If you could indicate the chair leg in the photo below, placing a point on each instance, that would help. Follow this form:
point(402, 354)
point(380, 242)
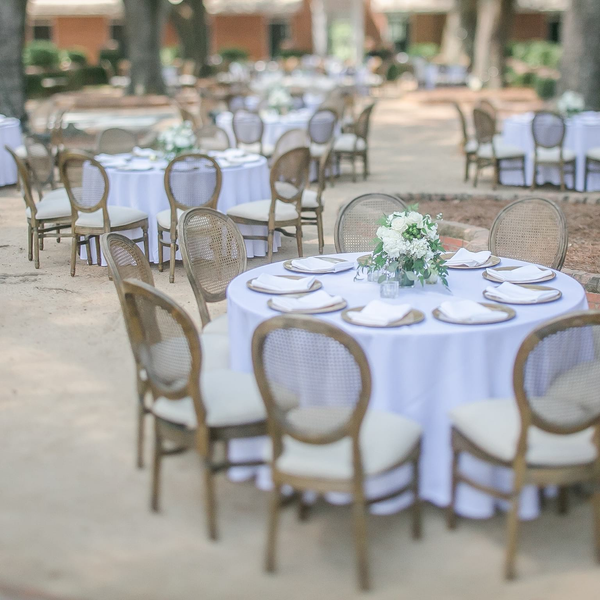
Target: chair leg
point(417, 529)
point(29, 242)
point(36, 247)
point(360, 533)
point(146, 243)
point(365, 165)
point(596, 511)
point(476, 178)
point(209, 498)
point(299, 240)
point(270, 246)
point(585, 176)
point(563, 500)
point(88, 246)
point(496, 175)
point(160, 251)
point(524, 172)
point(41, 232)
point(513, 522)
point(98, 252)
point(74, 246)
point(303, 508)
point(450, 510)
point(156, 465)
point(353, 158)
point(320, 231)
point(534, 180)
point(562, 178)
point(141, 419)
point(467, 166)
point(274, 506)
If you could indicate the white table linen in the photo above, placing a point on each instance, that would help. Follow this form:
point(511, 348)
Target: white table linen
point(421, 371)
point(10, 135)
point(582, 134)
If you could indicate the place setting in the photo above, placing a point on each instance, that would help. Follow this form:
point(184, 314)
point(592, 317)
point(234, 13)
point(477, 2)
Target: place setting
point(318, 265)
point(465, 259)
point(525, 274)
point(383, 315)
point(469, 312)
point(284, 284)
point(510, 293)
point(308, 304)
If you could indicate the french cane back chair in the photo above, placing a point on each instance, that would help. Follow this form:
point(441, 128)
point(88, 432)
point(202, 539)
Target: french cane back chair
point(321, 129)
point(41, 162)
point(214, 253)
point(236, 102)
point(355, 144)
point(491, 152)
point(211, 137)
point(193, 408)
point(489, 107)
point(87, 186)
point(248, 130)
point(356, 226)
point(115, 140)
point(551, 434)
point(289, 140)
point(316, 385)
point(548, 130)
point(188, 116)
point(531, 229)
point(49, 218)
point(289, 178)
point(191, 180)
point(468, 145)
point(127, 262)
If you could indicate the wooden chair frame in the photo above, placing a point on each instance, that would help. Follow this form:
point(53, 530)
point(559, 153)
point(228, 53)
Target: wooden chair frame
point(132, 137)
point(40, 184)
point(212, 129)
point(316, 160)
point(470, 156)
point(241, 113)
point(361, 131)
point(589, 163)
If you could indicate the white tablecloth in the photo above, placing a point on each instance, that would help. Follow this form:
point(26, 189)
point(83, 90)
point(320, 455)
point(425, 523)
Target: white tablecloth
point(583, 133)
point(145, 190)
point(421, 371)
point(10, 135)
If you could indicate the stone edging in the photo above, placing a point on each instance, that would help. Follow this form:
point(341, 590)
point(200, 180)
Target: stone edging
point(569, 197)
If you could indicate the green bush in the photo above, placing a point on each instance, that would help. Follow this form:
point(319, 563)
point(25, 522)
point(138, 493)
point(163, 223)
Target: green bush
point(93, 75)
point(233, 54)
point(35, 89)
point(537, 53)
point(41, 54)
point(382, 53)
point(169, 54)
point(113, 56)
point(77, 56)
point(428, 51)
point(545, 87)
point(291, 53)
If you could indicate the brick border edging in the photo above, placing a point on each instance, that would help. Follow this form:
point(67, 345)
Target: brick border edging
point(569, 197)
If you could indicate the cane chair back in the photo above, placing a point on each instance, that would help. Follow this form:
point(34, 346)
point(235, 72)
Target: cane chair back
point(356, 225)
point(557, 375)
point(211, 137)
point(324, 164)
point(531, 229)
point(463, 123)
point(485, 126)
point(363, 123)
point(247, 126)
point(93, 196)
point(116, 141)
point(40, 161)
point(289, 140)
point(290, 176)
point(236, 103)
point(298, 101)
point(56, 133)
point(548, 129)
point(321, 126)
point(213, 252)
point(314, 379)
point(188, 116)
point(24, 180)
point(488, 107)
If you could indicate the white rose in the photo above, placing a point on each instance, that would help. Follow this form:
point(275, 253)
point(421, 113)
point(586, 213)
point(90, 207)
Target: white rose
point(399, 224)
point(414, 218)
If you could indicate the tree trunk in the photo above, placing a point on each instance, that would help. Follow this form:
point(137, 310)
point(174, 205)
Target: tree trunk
point(467, 10)
point(12, 38)
point(144, 21)
point(494, 21)
point(459, 32)
point(189, 19)
point(580, 70)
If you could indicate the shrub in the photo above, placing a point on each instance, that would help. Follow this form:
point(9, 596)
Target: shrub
point(428, 51)
point(382, 53)
point(41, 54)
point(77, 56)
point(234, 54)
point(93, 75)
point(169, 54)
point(113, 56)
point(291, 53)
point(537, 53)
point(545, 87)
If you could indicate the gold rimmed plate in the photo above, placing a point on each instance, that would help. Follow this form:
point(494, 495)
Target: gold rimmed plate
point(489, 277)
point(537, 288)
point(309, 311)
point(413, 317)
point(510, 314)
point(317, 285)
point(288, 265)
point(492, 261)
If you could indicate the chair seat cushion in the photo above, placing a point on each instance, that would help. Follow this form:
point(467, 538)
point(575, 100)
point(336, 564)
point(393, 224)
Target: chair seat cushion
point(386, 440)
point(229, 397)
point(259, 211)
point(317, 150)
point(503, 151)
point(552, 155)
point(471, 145)
point(594, 153)
point(21, 152)
point(218, 326)
point(215, 351)
point(52, 208)
point(57, 194)
point(267, 149)
point(119, 216)
point(163, 218)
point(309, 199)
point(495, 425)
point(348, 142)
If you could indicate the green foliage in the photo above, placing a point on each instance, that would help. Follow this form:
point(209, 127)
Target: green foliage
point(36, 84)
point(77, 56)
point(537, 53)
point(234, 54)
point(113, 56)
point(292, 53)
point(427, 51)
point(382, 53)
point(169, 54)
point(41, 54)
point(545, 87)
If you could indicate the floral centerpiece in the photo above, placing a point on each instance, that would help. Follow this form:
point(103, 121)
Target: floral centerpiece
point(571, 103)
point(279, 99)
point(408, 249)
point(177, 139)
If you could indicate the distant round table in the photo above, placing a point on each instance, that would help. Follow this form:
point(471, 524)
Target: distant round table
point(420, 371)
point(10, 135)
point(582, 134)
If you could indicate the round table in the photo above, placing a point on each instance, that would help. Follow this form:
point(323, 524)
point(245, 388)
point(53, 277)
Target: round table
point(10, 135)
point(421, 371)
point(582, 134)
point(145, 190)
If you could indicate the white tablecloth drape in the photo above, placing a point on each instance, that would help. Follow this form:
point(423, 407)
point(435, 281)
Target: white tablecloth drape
point(145, 190)
point(583, 133)
point(421, 371)
point(10, 135)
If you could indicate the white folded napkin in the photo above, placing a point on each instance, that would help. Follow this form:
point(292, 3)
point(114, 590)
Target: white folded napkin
point(233, 152)
point(319, 299)
point(469, 311)
point(314, 263)
point(469, 259)
point(509, 292)
point(379, 313)
point(102, 158)
point(520, 275)
point(147, 152)
point(273, 283)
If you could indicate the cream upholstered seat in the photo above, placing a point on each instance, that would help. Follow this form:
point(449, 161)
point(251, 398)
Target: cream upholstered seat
point(471, 145)
point(256, 148)
point(163, 218)
point(310, 199)
point(229, 397)
point(502, 151)
point(118, 216)
point(215, 351)
point(259, 211)
point(385, 439)
point(348, 142)
point(317, 150)
point(552, 155)
point(495, 425)
point(57, 194)
point(594, 153)
point(52, 208)
point(217, 326)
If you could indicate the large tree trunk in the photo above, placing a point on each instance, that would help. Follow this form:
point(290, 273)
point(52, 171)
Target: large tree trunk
point(494, 21)
point(459, 32)
point(189, 18)
point(12, 38)
point(580, 71)
point(144, 21)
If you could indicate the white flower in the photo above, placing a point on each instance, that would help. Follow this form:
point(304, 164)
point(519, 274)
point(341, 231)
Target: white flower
point(414, 218)
point(571, 102)
point(399, 224)
point(432, 234)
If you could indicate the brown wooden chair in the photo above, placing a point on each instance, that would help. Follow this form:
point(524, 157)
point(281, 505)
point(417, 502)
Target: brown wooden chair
point(531, 229)
point(115, 140)
point(289, 178)
point(193, 408)
point(289, 140)
point(323, 438)
point(468, 144)
point(212, 138)
point(214, 253)
point(321, 130)
point(187, 115)
point(51, 217)
point(357, 222)
point(548, 130)
point(190, 180)
point(248, 129)
point(41, 162)
point(549, 435)
point(491, 152)
point(355, 145)
point(87, 186)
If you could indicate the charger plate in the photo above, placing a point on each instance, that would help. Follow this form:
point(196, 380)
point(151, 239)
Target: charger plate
point(492, 261)
point(510, 314)
point(413, 317)
point(288, 265)
point(489, 277)
point(538, 288)
point(317, 285)
point(309, 311)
